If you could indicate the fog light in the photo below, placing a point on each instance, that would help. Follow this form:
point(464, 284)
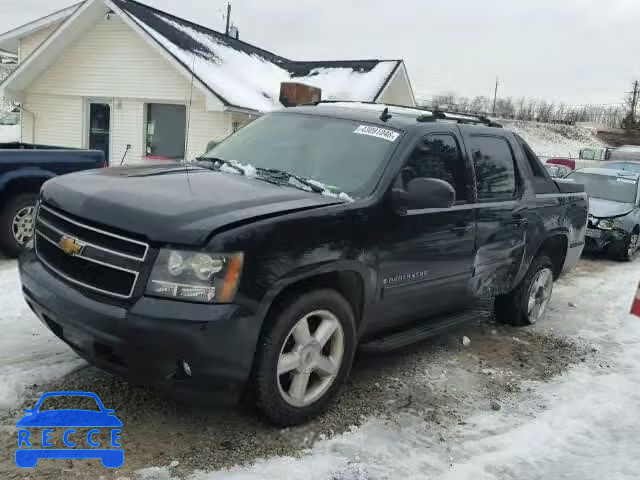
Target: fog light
point(186, 367)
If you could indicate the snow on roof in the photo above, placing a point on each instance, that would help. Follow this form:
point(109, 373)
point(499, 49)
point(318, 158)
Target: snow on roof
point(245, 76)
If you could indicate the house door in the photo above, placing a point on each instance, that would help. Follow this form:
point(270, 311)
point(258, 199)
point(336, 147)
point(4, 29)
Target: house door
point(100, 127)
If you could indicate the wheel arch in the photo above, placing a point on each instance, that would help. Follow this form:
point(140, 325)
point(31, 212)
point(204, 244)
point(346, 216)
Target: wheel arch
point(555, 246)
point(20, 182)
point(353, 280)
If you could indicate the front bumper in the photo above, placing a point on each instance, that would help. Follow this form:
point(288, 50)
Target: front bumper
point(608, 239)
point(147, 341)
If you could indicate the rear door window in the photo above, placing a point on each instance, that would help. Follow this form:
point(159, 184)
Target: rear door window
point(494, 163)
point(541, 179)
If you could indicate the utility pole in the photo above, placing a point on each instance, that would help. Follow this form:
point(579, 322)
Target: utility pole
point(634, 101)
point(228, 19)
point(495, 96)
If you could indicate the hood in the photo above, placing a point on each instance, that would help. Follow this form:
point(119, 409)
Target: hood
point(601, 208)
point(170, 204)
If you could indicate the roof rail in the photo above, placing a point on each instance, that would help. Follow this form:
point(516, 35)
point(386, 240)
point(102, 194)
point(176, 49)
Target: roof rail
point(429, 115)
point(458, 117)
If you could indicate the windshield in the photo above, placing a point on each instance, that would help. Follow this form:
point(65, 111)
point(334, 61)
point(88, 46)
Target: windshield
point(626, 166)
point(616, 189)
point(344, 155)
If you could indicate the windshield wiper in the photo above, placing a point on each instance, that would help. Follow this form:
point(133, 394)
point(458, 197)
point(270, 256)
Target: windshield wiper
point(222, 161)
point(274, 172)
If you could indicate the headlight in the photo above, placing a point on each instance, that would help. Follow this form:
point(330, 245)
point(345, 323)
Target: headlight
point(606, 224)
point(196, 276)
point(609, 224)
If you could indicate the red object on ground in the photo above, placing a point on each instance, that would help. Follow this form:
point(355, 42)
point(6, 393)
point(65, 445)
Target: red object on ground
point(635, 308)
point(567, 162)
point(156, 157)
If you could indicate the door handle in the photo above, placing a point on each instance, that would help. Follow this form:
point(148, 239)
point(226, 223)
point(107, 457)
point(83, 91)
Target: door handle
point(517, 223)
point(461, 229)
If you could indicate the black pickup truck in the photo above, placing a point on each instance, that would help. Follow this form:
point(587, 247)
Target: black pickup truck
point(306, 234)
point(24, 168)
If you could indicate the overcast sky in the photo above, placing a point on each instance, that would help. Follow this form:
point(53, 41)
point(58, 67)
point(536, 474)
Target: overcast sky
point(576, 51)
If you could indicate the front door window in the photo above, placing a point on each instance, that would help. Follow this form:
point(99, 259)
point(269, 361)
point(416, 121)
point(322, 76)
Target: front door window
point(99, 127)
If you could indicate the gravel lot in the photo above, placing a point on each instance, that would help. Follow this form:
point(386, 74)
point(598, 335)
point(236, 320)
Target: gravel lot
point(440, 380)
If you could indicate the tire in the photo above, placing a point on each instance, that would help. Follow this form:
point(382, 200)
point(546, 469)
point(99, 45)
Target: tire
point(10, 243)
point(629, 248)
point(273, 392)
point(514, 309)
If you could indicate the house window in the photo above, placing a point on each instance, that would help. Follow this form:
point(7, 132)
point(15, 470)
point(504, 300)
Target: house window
point(235, 126)
point(166, 129)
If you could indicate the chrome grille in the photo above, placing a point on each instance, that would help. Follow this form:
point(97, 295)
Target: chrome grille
point(87, 256)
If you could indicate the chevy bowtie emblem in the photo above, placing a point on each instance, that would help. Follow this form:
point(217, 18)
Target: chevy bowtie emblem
point(70, 246)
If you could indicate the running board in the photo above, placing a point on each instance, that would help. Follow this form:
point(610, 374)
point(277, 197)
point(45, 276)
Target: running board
point(414, 333)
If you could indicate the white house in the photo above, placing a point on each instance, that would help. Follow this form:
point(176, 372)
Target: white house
point(111, 73)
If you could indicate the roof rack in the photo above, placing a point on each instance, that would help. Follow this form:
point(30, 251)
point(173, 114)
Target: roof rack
point(428, 116)
point(458, 117)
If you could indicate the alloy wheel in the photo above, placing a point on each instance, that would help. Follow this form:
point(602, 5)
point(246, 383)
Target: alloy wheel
point(633, 246)
point(539, 295)
point(23, 225)
point(310, 358)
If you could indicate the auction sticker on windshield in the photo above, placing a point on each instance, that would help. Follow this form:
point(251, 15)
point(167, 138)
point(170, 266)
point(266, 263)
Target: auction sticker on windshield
point(377, 132)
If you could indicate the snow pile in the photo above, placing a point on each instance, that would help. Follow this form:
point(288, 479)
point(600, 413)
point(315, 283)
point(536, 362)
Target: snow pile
point(252, 81)
point(553, 140)
point(29, 352)
point(9, 133)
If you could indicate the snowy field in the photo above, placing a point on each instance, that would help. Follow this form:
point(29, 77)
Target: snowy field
point(548, 140)
point(558, 400)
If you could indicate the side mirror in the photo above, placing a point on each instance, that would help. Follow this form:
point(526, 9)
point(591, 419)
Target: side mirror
point(211, 144)
point(428, 193)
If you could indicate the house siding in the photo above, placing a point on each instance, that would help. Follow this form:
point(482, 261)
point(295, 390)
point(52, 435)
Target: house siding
point(29, 43)
point(58, 120)
point(397, 91)
point(111, 60)
point(112, 63)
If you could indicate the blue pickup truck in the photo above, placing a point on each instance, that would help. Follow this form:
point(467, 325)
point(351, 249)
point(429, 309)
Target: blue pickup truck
point(23, 169)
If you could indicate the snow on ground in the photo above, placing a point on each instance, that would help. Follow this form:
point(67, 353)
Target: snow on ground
point(9, 133)
point(582, 425)
point(552, 140)
point(29, 352)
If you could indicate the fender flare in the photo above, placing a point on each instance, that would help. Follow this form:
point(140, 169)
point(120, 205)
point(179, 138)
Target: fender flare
point(367, 273)
point(527, 259)
point(24, 174)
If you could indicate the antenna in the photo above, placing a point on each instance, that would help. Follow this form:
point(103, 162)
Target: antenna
point(186, 141)
point(126, 150)
point(385, 114)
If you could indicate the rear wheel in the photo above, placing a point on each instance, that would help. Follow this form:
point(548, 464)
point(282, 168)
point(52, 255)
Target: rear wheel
point(527, 303)
point(17, 221)
point(304, 357)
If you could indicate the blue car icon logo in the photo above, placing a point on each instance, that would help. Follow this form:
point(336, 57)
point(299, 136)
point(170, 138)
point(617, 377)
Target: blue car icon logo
point(85, 434)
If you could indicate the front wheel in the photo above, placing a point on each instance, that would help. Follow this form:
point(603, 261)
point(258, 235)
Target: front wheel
point(630, 247)
point(304, 357)
point(17, 223)
point(527, 303)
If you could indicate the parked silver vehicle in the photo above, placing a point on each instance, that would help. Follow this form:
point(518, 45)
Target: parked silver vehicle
point(614, 210)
